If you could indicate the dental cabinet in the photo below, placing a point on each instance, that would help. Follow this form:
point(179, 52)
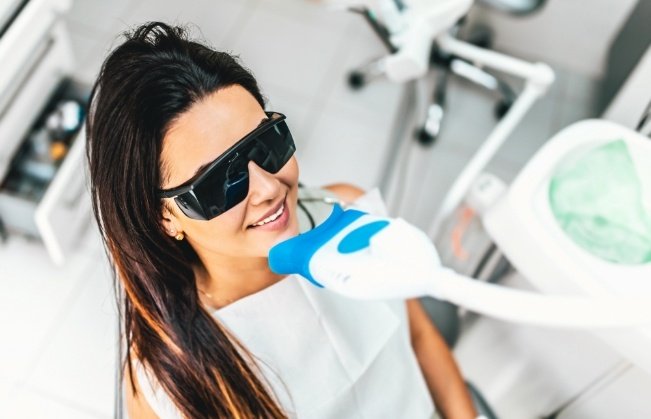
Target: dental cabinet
point(569, 374)
point(43, 191)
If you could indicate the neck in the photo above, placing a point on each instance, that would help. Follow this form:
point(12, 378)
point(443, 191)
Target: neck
point(228, 279)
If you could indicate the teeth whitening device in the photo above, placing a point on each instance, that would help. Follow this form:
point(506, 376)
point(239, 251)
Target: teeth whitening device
point(363, 256)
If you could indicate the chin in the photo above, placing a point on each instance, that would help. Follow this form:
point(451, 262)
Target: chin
point(292, 230)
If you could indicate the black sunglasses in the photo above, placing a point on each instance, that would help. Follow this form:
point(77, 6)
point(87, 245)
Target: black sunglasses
point(224, 183)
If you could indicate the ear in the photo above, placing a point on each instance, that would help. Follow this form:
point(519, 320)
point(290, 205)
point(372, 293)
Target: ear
point(170, 221)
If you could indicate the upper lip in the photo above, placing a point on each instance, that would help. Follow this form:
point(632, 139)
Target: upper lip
point(271, 211)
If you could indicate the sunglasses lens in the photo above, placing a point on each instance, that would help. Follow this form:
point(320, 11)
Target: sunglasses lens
point(236, 186)
point(274, 147)
point(189, 206)
point(210, 195)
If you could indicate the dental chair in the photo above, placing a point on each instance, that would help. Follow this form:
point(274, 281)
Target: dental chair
point(444, 63)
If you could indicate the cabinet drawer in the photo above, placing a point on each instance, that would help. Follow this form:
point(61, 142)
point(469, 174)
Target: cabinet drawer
point(65, 210)
point(23, 101)
point(46, 197)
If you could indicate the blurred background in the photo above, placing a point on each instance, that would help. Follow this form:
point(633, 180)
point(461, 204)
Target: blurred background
point(57, 310)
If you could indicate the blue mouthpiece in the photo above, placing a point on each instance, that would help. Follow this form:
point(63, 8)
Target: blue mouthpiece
point(293, 256)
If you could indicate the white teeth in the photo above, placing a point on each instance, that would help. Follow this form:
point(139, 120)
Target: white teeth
point(272, 217)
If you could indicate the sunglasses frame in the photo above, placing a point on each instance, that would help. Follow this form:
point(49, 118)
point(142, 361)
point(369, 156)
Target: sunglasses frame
point(191, 184)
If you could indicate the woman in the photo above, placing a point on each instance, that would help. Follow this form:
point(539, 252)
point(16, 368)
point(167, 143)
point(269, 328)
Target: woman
point(192, 183)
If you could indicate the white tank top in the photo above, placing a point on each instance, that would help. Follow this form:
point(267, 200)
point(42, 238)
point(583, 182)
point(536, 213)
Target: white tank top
point(325, 356)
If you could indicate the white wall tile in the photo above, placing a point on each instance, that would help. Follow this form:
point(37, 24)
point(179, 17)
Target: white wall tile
point(380, 97)
point(469, 115)
point(344, 150)
point(211, 20)
point(526, 372)
point(534, 130)
point(296, 108)
point(621, 397)
point(99, 15)
point(34, 297)
point(315, 13)
point(575, 34)
point(8, 387)
point(431, 181)
point(286, 51)
point(29, 404)
point(79, 363)
point(96, 31)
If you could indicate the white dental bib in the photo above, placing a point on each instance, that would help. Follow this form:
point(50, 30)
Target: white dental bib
point(324, 355)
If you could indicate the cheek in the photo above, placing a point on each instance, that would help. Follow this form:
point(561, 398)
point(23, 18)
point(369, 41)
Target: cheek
point(219, 235)
point(289, 172)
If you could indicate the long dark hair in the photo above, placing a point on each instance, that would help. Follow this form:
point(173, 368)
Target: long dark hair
point(144, 84)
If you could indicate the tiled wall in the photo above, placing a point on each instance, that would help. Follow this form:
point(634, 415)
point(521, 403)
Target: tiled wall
point(574, 34)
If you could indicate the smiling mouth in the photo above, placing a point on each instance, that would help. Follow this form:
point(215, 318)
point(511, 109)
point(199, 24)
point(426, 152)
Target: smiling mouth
point(272, 217)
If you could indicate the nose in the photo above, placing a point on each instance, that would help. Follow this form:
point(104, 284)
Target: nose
point(263, 186)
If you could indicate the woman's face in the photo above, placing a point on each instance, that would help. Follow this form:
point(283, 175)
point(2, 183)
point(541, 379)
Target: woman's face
point(199, 136)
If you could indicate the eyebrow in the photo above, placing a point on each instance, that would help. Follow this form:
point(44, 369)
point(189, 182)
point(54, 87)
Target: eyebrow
point(203, 166)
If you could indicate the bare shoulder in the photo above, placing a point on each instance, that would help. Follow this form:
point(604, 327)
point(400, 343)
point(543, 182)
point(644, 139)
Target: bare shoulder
point(136, 403)
point(345, 191)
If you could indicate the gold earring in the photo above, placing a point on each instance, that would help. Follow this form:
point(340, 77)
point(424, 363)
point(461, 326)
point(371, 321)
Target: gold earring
point(179, 236)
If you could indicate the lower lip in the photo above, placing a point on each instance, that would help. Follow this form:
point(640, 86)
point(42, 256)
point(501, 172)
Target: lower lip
point(278, 224)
